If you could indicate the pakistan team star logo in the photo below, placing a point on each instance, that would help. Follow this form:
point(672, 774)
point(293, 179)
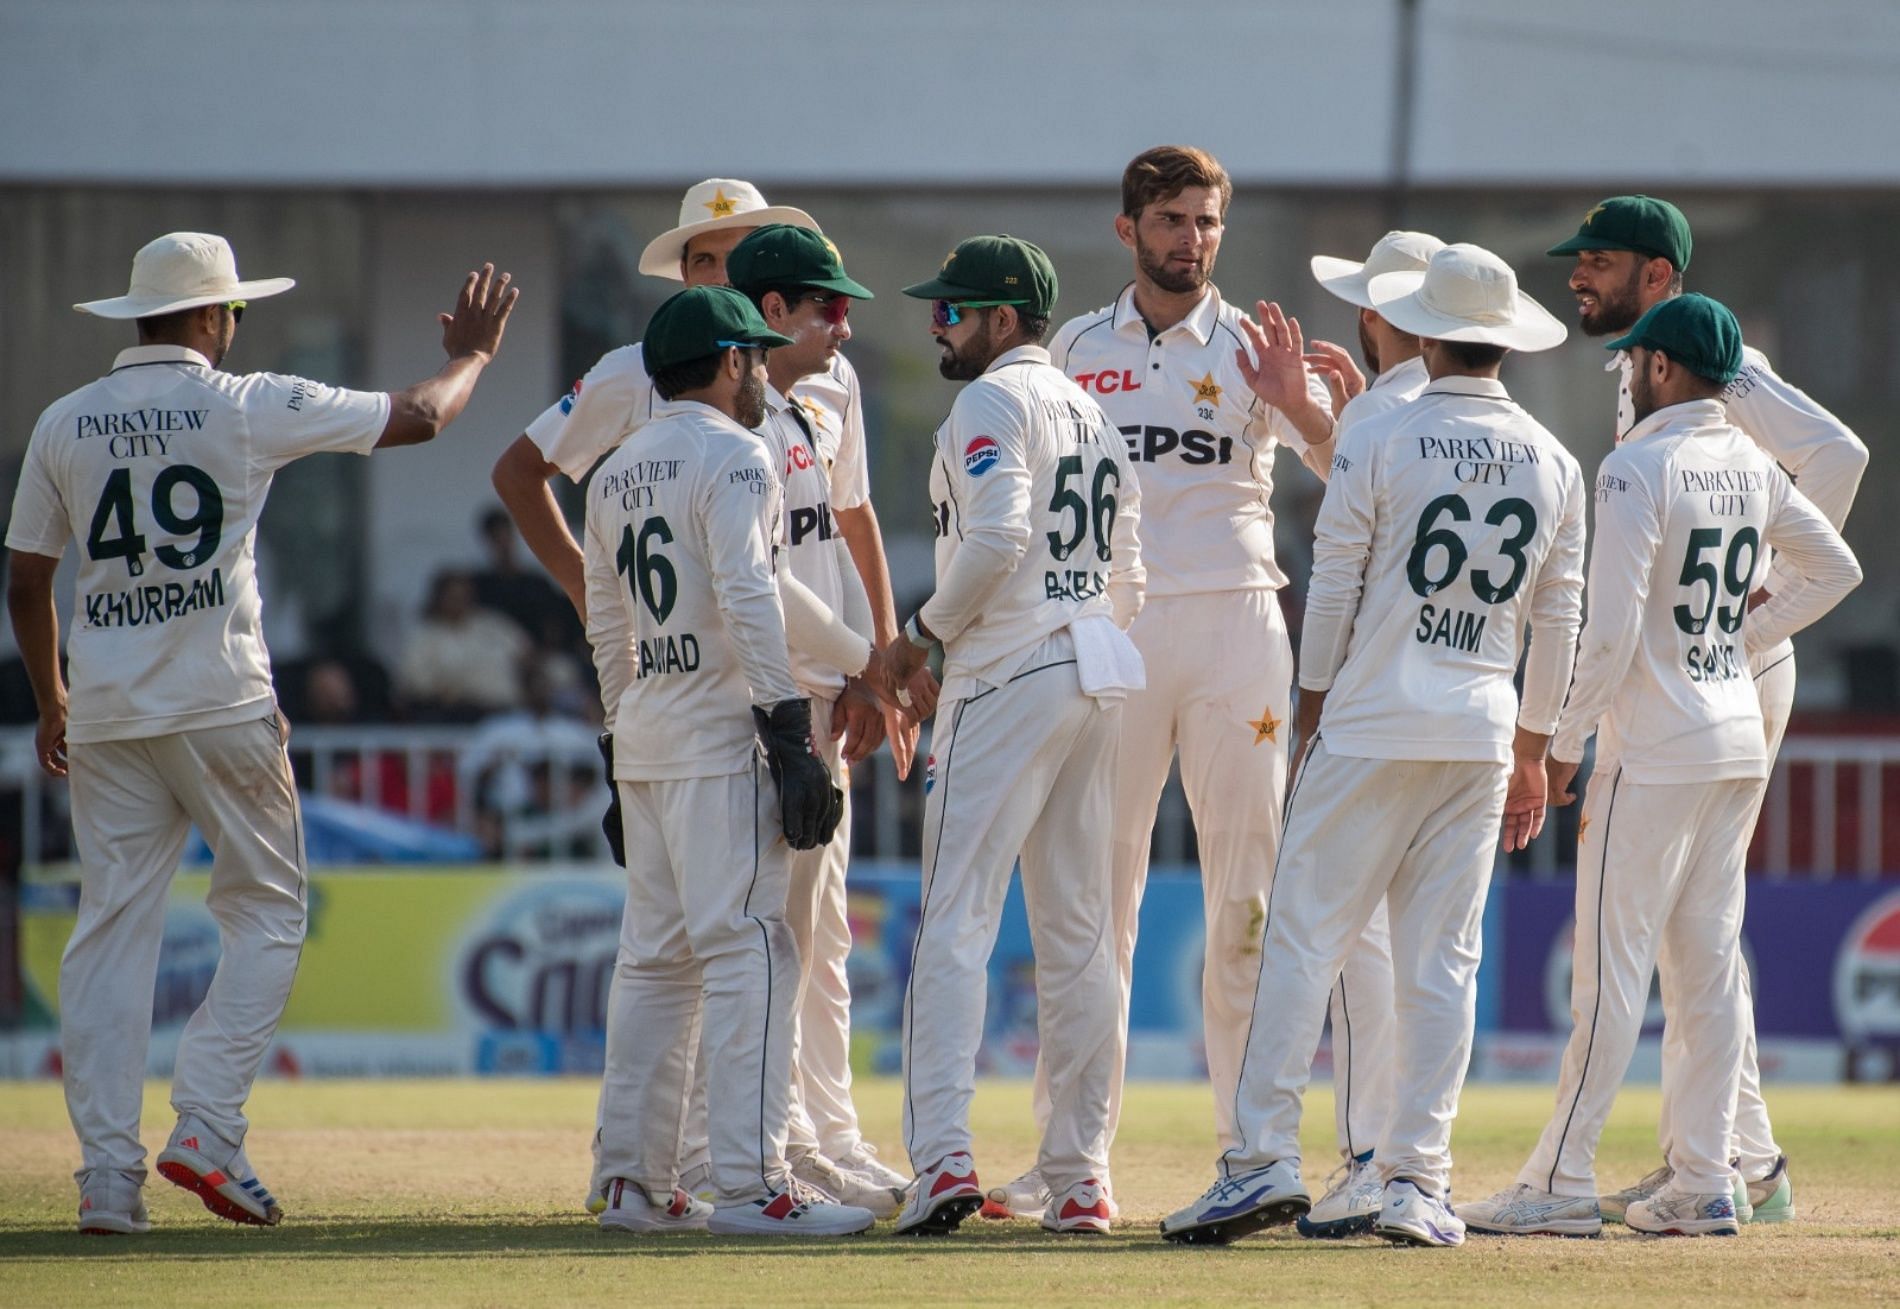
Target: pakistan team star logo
point(1582, 827)
point(722, 205)
point(1591, 217)
point(1266, 727)
point(1206, 391)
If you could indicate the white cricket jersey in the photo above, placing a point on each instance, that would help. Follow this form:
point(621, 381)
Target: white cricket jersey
point(1203, 441)
point(1036, 508)
point(1685, 506)
point(159, 471)
point(616, 399)
point(1447, 525)
point(807, 532)
point(1396, 386)
point(1817, 450)
point(682, 607)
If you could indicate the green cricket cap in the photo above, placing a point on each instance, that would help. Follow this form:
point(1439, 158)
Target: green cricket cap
point(692, 324)
point(994, 268)
point(780, 255)
point(1633, 222)
point(1695, 331)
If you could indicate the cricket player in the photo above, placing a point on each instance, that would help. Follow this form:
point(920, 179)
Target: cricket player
point(611, 402)
point(1038, 573)
point(159, 472)
point(796, 279)
point(1686, 506)
point(1203, 397)
point(1448, 524)
point(1631, 253)
point(689, 638)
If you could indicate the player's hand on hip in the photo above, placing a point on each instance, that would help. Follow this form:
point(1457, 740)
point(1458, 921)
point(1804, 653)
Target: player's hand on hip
point(1524, 803)
point(1336, 368)
point(1559, 776)
point(49, 742)
point(481, 314)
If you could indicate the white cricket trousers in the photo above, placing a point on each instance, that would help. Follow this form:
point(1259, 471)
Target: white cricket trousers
point(133, 805)
point(1220, 674)
point(1420, 835)
point(703, 940)
point(1021, 768)
point(1659, 886)
point(1754, 1148)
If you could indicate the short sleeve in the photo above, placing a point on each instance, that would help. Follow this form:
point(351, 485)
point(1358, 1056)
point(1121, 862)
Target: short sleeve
point(614, 399)
point(290, 417)
point(40, 524)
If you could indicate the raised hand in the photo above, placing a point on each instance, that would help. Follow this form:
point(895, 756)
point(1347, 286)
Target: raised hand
point(481, 314)
point(1336, 368)
point(1274, 363)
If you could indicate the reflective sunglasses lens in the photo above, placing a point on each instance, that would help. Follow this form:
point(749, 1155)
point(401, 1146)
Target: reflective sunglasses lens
point(944, 313)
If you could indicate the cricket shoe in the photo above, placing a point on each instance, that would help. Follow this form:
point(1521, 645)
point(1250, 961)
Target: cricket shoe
point(1409, 1216)
point(944, 1195)
point(785, 1214)
point(862, 1159)
point(847, 1187)
point(1772, 1198)
point(1025, 1197)
point(1671, 1212)
point(217, 1172)
point(1084, 1209)
point(1354, 1196)
point(697, 1182)
point(1240, 1206)
point(626, 1208)
point(1612, 1206)
point(1523, 1210)
point(110, 1205)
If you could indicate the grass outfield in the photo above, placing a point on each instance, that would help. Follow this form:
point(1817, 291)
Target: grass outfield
point(468, 1192)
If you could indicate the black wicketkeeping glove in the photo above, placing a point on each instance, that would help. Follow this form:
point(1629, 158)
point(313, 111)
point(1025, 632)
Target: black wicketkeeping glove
point(610, 821)
point(809, 805)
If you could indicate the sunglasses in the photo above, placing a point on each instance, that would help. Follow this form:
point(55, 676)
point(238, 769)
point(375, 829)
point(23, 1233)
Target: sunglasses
point(831, 308)
point(948, 313)
point(740, 345)
point(237, 309)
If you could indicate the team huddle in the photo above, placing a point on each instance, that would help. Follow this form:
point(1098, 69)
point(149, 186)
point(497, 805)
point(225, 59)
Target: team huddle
point(1105, 600)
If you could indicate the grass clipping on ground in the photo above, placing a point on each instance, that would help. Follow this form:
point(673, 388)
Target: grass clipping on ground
point(469, 1192)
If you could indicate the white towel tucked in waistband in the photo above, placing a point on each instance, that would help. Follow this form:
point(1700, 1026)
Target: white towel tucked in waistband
point(1106, 661)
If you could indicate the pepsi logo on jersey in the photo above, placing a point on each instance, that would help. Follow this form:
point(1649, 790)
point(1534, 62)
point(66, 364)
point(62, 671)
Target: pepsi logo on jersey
point(981, 455)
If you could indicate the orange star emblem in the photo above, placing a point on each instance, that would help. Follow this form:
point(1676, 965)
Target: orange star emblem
point(1206, 390)
point(722, 205)
point(814, 411)
point(1266, 727)
point(1591, 216)
point(1582, 826)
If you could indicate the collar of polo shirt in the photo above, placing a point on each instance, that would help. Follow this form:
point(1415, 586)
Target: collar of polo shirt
point(1199, 322)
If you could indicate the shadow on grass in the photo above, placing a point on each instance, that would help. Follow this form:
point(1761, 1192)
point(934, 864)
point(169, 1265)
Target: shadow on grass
point(517, 1236)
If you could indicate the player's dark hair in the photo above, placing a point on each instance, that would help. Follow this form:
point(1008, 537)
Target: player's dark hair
point(1474, 354)
point(677, 379)
point(1034, 329)
point(1675, 281)
point(1167, 170)
point(161, 329)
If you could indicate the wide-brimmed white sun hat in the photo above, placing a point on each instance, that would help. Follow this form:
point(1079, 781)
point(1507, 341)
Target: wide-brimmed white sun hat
point(714, 205)
point(182, 270)
point(1395, 252)
point(1466, 294)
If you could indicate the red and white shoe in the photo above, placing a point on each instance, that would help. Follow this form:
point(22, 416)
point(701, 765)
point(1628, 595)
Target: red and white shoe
point(942, 1197)
point(1084, 1208)
point(217, 1173)
point(627, 1209)
point(785, 1214)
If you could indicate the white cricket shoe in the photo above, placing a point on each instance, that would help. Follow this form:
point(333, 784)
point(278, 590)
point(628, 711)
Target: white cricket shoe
point(1354, 1195)
point(626, 1208)
point(202, 1162)
point(1671, 1212)
point(1410, 1216)
point(862, 1158)
point(784, 1214)
point(943, 1195)
point(1239, 1206)
point(1083, 1208)
point(697, 1182)
point(1769, 1200)
point(110, 1204)
point(1613, 1205)
point(1024, 1197)
point(846, 1186)
point(1523, 1210)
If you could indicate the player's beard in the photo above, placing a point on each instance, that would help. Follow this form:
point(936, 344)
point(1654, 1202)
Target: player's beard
point(1642, 397)
point(966, 363)
point(1172, 278)
point(1368, 349)
point(749, 405)
point(1616, 311)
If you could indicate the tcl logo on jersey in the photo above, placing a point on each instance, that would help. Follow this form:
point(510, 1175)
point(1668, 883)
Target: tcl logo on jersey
point(1108, 382)
point(981, 455)
point(1147, 443)
point(814, 522)
point(798, 459)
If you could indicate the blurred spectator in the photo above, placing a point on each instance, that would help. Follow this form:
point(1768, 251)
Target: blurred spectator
point(462, 661)
point(526, 595)
point(536, 780)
